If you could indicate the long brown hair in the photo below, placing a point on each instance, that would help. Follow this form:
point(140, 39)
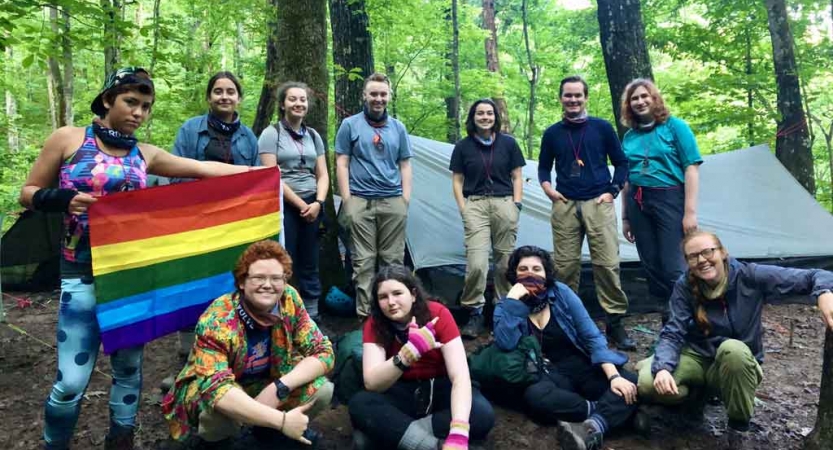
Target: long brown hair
point(384, 326)
point(658, 109)
point(697, 298)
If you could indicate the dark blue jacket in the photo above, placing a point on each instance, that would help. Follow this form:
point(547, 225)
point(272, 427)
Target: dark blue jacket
point(598, 144)
point(739, 317)
point(511, 324)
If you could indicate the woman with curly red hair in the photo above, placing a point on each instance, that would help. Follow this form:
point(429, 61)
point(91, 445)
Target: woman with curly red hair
point(258, 360)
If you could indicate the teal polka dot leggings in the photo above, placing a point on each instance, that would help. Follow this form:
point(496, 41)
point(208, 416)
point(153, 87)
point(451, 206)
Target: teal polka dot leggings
point(78, 342)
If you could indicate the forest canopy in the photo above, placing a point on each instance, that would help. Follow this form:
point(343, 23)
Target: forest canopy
point(712, 59)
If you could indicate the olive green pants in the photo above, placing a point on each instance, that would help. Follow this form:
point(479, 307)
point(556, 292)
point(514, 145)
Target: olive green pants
point(377, 235)
point(489, 224)
point(733, 375)
point(571, 222)
point(216, 426)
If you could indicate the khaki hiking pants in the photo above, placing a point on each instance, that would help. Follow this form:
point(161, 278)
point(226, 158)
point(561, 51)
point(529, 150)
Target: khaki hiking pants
point(571, 221)
point(377, 234)
point(489, 224)
point(734, 375)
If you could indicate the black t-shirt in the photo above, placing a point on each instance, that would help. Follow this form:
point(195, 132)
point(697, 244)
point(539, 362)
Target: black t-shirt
point(478, 163)
point(555, 344)
point(219, 147)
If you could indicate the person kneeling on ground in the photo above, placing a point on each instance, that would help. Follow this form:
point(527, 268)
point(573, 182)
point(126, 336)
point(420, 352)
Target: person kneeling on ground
point(713, 339)
point(416, 374)
point(258, 360)
point(582, 387)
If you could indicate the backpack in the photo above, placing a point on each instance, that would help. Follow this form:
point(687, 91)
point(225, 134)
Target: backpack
point(496, 369)
point(347, 373)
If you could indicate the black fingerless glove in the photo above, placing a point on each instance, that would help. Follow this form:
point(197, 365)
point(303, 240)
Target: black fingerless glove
point(53, 199)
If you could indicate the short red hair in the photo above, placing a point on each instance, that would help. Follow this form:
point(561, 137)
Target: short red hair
point(259, 251)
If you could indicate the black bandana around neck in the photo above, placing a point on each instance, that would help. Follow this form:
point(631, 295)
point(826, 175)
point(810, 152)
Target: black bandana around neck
point(252, 320)
point(375, 123)
point(226, 128)
point(113, 138)
point(537, 298)
point(296, 135)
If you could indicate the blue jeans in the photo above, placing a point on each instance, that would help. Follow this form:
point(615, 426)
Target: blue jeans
point(657, 224)
point(302, 243)
point(78, 341)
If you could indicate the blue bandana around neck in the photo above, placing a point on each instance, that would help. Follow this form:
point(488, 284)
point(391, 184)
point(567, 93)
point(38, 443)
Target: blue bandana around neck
point(114, 138)
point(226, 128)
point(296, 135)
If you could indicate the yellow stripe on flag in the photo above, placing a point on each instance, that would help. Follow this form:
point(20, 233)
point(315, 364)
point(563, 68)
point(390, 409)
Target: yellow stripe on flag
point(146, 252)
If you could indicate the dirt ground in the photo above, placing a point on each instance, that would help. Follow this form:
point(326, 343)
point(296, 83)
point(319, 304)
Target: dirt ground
point(785, 411)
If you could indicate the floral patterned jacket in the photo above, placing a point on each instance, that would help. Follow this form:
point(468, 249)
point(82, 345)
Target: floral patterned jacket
point(217, 360)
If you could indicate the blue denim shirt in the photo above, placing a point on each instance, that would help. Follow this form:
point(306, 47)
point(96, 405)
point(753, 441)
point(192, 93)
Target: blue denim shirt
point(193, 137)
point(738, 316)
point(511, 324)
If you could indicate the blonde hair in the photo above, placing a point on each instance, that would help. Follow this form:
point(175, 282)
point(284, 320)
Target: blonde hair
point(658, 109)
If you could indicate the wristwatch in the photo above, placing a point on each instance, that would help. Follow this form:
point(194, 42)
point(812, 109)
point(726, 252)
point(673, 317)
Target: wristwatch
point(397, 361)
point(282, 391)
point(320, 202)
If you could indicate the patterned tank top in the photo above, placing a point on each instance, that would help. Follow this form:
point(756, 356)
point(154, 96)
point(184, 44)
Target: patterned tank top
point(94, 172)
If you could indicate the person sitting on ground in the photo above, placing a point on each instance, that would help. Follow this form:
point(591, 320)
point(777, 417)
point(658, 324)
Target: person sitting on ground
point(258, 360)
point(713, 338)
point(582, 387)
point(419, 394)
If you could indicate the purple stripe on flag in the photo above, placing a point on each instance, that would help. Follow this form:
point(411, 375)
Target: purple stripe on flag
point(147, 330)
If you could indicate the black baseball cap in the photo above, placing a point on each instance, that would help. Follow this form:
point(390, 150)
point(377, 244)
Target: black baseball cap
point(125, 75)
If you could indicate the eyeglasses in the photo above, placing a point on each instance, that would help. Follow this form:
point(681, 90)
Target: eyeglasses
point(706, 253)
point(260, 280)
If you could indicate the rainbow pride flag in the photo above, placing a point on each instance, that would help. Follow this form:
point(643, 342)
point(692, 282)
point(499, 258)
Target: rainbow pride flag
point(160, 255)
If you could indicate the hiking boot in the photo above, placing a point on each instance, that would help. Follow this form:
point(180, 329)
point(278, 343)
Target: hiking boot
point(579, 436)
point(361, 441)
point(642, 423)
point(617, 334)
point(736, 439)
point(474, 327)
point(120, 438)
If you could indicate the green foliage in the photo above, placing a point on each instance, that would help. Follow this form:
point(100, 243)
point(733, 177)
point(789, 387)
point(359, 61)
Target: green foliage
point(711, 58)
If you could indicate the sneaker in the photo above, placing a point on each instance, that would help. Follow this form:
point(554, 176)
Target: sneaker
point(579, 436)
point(474, 327)
point(120, 438)
point(617, 334)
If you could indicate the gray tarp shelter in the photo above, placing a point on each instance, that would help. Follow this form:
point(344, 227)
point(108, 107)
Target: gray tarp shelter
point(746, 196)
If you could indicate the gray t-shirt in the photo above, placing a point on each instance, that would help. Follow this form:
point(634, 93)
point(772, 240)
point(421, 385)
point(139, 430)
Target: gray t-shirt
point(374, 172)
point(295, 158)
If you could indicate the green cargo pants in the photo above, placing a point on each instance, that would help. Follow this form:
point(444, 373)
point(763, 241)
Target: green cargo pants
point(733, 375)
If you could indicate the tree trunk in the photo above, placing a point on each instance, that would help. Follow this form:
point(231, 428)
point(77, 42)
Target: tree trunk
point(626, 57)
point(13, 134)
point(52, 62)
point(822, 436)
point(154, 56)
point(492, 61)
point(53, 100)
point(112, 39)
point(532, 77)
point(267, 103)
point(452, 102)
point(239, 48)
point(69, 70)
point(352, 52)
point(792, 142)
point(300, 39)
